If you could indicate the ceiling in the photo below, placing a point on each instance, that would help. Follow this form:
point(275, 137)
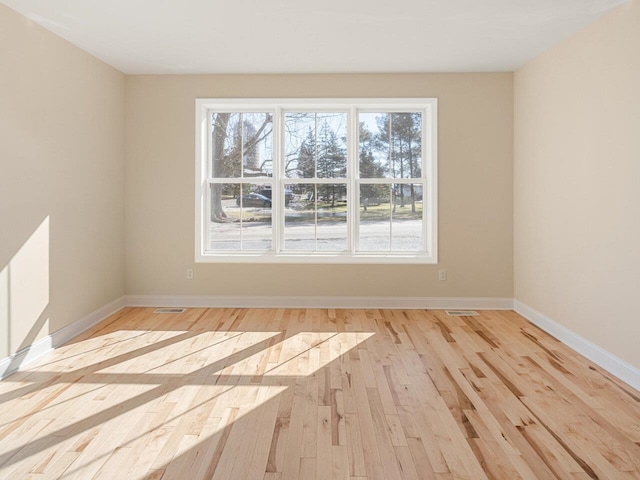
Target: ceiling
point(300, 36)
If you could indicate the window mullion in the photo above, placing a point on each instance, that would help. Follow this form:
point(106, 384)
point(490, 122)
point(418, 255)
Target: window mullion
point(241, 147)
point(315, 217)
point(208, 170)
point(391, 207)
point(315, 185)
point(241, 216)
point(426, 214)
point(353, 169)
point(277, 164)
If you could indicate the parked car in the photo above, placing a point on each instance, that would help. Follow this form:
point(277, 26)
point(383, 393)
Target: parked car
point(288, 195)
point(254, 200)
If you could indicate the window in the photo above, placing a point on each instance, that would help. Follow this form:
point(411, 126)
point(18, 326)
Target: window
point(316, 180)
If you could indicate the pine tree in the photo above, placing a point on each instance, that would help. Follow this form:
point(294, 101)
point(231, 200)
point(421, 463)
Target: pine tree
point(307, 156)
point(331, 162)
point(369, 168)
point(400, 137)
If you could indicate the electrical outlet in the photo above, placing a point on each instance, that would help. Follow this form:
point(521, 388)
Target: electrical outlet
point(442, 275)
point(189, 273)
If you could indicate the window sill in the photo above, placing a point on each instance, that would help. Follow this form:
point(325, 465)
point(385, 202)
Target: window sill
point(317, 258)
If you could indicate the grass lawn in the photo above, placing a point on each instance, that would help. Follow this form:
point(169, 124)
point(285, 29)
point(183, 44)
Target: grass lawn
point(304, 212)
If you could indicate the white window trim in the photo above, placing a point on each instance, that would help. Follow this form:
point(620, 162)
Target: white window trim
point(352, 105)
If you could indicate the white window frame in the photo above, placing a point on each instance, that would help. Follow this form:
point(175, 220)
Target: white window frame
point(429, 179)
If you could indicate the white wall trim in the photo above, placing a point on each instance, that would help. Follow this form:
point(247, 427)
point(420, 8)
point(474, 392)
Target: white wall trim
point(34, 351)
point(614, 365)
point(28, 354)
point(480, 303)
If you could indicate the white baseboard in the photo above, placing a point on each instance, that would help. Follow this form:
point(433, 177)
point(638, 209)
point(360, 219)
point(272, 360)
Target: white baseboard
point(34, 351)
point(481, 303)
point(599, 356)
point(614, 365)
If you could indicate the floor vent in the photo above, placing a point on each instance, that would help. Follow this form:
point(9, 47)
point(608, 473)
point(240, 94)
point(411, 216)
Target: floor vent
point(462, 313)
point(170, 310)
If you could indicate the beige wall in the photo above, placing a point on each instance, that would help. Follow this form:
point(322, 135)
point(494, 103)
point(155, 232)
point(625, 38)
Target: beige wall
point(570, 118)
point(577, 183)
point(475, 197)
point(61, 183)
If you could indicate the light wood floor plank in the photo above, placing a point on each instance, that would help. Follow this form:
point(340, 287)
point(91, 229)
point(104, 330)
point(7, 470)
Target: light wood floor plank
point(279, 394)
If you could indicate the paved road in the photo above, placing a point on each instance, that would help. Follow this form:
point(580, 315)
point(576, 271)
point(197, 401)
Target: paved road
point(331, 235)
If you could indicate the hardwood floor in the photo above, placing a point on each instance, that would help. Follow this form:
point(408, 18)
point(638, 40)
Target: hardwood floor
point(317, 394)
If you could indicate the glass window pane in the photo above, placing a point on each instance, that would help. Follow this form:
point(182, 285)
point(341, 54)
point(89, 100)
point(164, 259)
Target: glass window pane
point(406, 214)
point(316, 218)
point(257, 145)
point(332, 218)
point(331, 135)
point(224, 225)
point(299, 145)
point(315, 144)
point(300, 219)
point(241, 145)
point(240, 218)
point(375, 218)
point(390, 144)
point(256, 225)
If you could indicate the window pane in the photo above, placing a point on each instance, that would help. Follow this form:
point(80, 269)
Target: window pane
point(331, 138)
point(390, 145)
point(299, 145)
point(300, 219)
point(406, 214)
point(224, 225)
point(240, 218)
point(315, 144)
point(375, 218)
point(332, 218)
point(316, 218)
point(241, 145)
point(256, 227)
point(257, 149)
